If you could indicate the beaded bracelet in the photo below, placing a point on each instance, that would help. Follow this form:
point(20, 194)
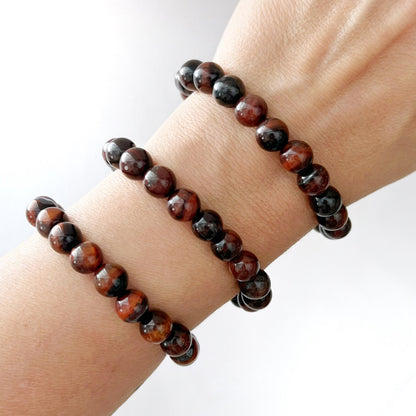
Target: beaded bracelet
point(272, 135)
point(111, 280)
point(184, 205)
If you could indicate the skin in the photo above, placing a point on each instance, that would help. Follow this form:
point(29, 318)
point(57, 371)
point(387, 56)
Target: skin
point(340, 74)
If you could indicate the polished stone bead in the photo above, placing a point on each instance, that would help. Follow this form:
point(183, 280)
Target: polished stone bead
point(179, 341)
point(327, 203)
point(190, 356)
point(256, 288)
point(313, 181)
point(206, 75)
point(111, 280)
point(207, 225)
point(228, 90)
point(272, 135)
point(242, 305)
point(64, 237)
point(337, 234)
point(257, 304)
point(245, 266)
point(251, 110)
point(104, 154)
point(86, 257)
point(296, 156)
point(185, 93)
point(114, 148)
point(228, 247)
point(186, 74)
point(37, 205)
point(183, 205)
point(155, 326)
point(160, 181)
point(234, 301)
point(335, 221)
point(48, 218)
point(131, 305)
point(135, 162)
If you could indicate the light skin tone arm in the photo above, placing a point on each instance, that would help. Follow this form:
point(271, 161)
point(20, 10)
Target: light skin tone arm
point(340, 74)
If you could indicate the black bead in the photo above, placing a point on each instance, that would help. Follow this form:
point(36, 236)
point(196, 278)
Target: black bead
point(327, 203)
point(272, 135)
point(114, 148)
point(180, 87)
point(186, 74)
point(234, 301)
point(256, 304)
point(228, 90)
point(257, 288)
point(337, 234)
point(207, 225)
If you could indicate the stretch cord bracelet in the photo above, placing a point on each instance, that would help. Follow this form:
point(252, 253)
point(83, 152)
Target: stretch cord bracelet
point(111, 280)
point(272, 135)
point(184, 205)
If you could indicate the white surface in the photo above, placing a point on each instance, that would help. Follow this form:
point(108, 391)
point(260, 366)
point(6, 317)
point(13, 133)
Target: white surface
point(339, 337)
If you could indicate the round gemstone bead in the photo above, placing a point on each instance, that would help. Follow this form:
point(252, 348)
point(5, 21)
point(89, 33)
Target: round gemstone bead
point(183, 205)
point(257, 304)
point(155, 326)
point(135, 162)
point(335, 221)
point(228, 247)
point(337, 234)
point(114, 148)
point(185, 93)
point(245, 266)
point(160, 181)
point(179, 341)
point(190, 356)
point(242, 305)
point(327, 203)
point(104, 154)
point(207, 225)
point(256, 288)
point(251, 110)
point(111, 280)
point(234, 301)
point(48, 218)
point(296, 156)
point(64, 237)
point(206, 75)
point(228, 90)
point(272, 135)
point(86, 257)
point(313, 181)
point(37, 205)
point(131, 305)
point(186, 74)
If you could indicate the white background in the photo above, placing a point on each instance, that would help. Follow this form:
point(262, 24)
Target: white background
point(339, 337)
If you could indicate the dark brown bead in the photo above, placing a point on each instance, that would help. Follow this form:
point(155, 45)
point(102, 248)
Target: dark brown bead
point(205, 76)
point(257, 304)
point(183, 205)
point(186, 74)
point(207, 225)
point(160, 181)
point(272, 135)
point(337, 234)
point(37, 205)
point(335, 221)
point(104, 154)
point(313, 181)
point(257, 288)
point(242, 305)
point(114, 148)
point(64, 237)
point(190, 356)
point(228, 90)
point(135, 162)
point(327, 203)
point(179, 341)
point(234, 301)
point(86, 257)
point(245, 266)
point(48, 218)
point(155, 326)
point(296, 156)
point(111, 280)
point(185, 93)
point(251, 110)
point(228, 247)
point(131, 305)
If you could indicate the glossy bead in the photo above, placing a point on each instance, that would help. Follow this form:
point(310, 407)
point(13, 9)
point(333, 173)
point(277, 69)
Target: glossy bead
point(186, 74)
point(206, 75)
point(185, 93)
point(296, 156)
point(327, 203)
point(48, 218)
point(272, 135)
point(256, 288)
point(131, 305)
point(111, 280)
point(257, 304)
point(251, 110)
point(160, 181)
point(104, 154)
point(337, 234)
point(245, 266)
point(37, 205)
point(228, 90)
point(313, 181)
point(183, 205)
point(335, 221)
point(64, 237)
point(155, 326)
point(179, 341)
point(86, 257)
point(135, 162)
point(207, 225)
point(228, 247)
point(114, 148)
point(234, 301)
point(242, 305)
point(190, 356)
